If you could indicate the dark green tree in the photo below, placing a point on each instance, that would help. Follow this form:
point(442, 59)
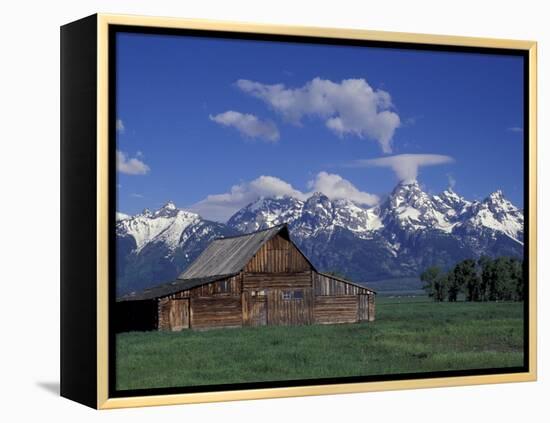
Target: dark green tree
point(518, 272)
point(454, 286)
point(435, 283)
point(505, 286)
point(502, 278)
point(466, 276)
point(484, 264)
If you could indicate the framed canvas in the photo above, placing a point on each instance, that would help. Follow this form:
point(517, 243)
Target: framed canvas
point(255, 211)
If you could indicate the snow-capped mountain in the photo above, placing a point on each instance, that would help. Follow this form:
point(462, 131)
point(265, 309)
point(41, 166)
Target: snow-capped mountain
point(266, 212)
point(154, 247)
point(165, 225)
point(409, 208)
point(495, 213)
point(408, 231)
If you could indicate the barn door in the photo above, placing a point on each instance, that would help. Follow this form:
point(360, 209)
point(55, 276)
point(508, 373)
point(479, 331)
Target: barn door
point(363, 307)
point(289, 307)
point(179, 314)
point(258, 314)
point(254, 306)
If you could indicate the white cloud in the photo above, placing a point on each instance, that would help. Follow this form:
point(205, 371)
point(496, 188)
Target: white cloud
point(405, 166)
point(452, 180)
point(220, 207)
point(120, 126)
point(337, 188)
point(136, 195)
point(351, 106)
point(248, 125)
point(130, 165)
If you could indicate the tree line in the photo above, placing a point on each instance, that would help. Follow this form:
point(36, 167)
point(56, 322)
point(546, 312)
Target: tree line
point(486, 279)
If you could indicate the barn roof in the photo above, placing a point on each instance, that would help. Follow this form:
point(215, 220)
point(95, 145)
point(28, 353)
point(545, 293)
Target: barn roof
point(230, 255)
point(170, 288)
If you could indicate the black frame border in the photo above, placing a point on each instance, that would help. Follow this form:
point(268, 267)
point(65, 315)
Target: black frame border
point(113, 30)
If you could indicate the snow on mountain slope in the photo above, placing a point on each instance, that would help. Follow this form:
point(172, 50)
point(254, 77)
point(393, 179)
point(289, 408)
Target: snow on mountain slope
point(121, 216)
point(164, 225)
point(450, 204)
point(265, 213)
point(407, 208)
point(497, 213)
point(410, 208)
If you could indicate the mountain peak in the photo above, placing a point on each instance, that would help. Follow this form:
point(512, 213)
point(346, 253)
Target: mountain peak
point(317, 194)
point(497, 195)
point(317, 198)
point(406, 182)
point(169, 205)
point(452, 196)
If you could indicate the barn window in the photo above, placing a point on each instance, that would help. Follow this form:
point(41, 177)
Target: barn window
point(224, 286)
point(293, 295)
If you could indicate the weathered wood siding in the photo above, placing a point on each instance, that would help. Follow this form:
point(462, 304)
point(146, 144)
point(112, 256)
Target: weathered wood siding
point(372, 307)
point(222, 296)
point(258, 281)
point(287, 312)
point(173, 314)
point(336, 309)
point(222, 288)
point(325, 285)
point(215, 312)
point(363, 307)
point(278, 255)
point(254, 309)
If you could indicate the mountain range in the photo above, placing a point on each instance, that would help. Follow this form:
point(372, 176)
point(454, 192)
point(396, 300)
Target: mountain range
point(405, 233)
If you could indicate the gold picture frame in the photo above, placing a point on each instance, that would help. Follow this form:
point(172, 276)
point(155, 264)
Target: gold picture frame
point(102, 197)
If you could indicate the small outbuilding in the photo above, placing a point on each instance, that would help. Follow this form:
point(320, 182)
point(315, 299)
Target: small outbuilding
point(257, 279)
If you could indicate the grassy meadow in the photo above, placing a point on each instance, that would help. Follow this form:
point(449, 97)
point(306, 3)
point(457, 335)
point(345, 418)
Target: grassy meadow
point(411, 334)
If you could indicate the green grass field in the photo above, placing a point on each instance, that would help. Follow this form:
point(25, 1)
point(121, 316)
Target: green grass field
point(410, 334)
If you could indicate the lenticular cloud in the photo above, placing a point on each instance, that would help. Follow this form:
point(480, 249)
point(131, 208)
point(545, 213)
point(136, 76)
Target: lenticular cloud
point(405, 166)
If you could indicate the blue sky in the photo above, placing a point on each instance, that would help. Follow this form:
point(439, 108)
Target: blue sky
point(201, 117)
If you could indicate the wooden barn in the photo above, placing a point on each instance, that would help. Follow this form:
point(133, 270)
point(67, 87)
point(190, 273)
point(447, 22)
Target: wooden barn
point(257, 279)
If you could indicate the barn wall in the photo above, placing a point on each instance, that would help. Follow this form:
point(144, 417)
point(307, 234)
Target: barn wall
point(278, 255)
point(222, 296)
point(339, 302)
point(336, 309)
point(254, 308)
point(363, 308)
point(286, 312)
point(217, 304)
point(223, 288)
point(215, 312)
point(258, 281)
point(173, 314)
point(372, 307)
point(325, 285)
